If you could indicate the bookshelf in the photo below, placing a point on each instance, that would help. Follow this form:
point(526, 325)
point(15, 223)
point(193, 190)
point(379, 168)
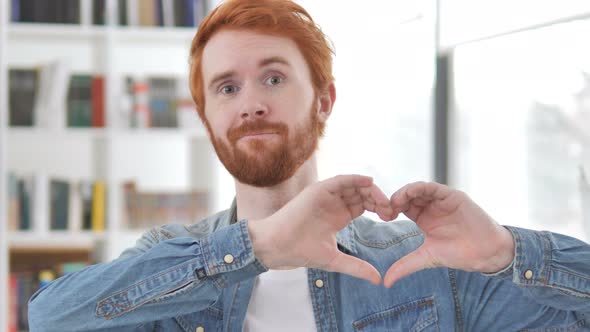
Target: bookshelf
point(157, 159)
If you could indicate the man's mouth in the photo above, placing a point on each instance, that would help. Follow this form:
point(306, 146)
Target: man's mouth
point(259, 135)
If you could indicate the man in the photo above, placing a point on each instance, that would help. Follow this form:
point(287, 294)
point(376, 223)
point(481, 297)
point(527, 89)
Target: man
point(295, 254)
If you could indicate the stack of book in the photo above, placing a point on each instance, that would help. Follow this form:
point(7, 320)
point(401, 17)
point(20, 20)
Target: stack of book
point(43, 96)
point(148, 209)
point(168, 13)
point(163, 13)
point(163, 102)
point(45, 11)
point(71, 205)
point(25, 282)
point(85, 101)
point(52, 97)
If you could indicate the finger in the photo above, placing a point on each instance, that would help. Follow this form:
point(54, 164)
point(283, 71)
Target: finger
point(355, 267)
point(413, 212)
point(338, 184)
point(349, 200)
point(356, 210)
point(421, 202)
point(412, 262)
point(349, 192)
point(357, 205)
point(375, 195)
point(380, 204)
point(424, 190)
point(402, 198)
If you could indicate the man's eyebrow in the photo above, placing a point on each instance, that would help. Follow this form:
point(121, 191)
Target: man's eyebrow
point(274, 59)
point(221, 77)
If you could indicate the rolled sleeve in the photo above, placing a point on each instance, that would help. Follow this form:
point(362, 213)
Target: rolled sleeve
point(230, 250)
point(554, 268)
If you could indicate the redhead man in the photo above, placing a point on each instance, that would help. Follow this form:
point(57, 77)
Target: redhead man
point(295, 254)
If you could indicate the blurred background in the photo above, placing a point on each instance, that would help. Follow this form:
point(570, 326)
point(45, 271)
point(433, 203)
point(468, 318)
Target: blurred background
point(99, 140)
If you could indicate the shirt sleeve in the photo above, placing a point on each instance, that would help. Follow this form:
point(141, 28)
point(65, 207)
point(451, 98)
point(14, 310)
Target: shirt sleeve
point(153, 281)
point(553, 269)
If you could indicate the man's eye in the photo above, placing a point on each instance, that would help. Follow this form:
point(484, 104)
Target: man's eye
point(229, 89)
point(274, 80)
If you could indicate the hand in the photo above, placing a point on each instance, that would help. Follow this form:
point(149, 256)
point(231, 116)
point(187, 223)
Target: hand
point(457, 233)
point(303, 232)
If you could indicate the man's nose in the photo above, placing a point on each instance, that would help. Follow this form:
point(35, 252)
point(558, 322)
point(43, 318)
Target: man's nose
point(254, 112)
point(253, 109)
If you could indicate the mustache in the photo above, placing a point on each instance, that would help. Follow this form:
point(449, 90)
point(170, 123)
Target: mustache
point(256, 127)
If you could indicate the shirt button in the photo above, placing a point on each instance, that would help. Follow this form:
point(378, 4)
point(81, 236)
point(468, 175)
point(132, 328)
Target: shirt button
point(319, 283)
point(528, 275)
point(200, 329)
point(228, 259)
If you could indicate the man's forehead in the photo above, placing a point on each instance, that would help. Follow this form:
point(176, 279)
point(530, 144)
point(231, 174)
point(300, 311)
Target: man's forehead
point(232, 49)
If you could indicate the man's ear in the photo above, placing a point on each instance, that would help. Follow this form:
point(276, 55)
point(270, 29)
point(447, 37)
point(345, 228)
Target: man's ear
point(326, 101)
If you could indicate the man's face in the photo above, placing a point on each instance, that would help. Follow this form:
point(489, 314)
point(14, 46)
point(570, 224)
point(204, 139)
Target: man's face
point(260, 106)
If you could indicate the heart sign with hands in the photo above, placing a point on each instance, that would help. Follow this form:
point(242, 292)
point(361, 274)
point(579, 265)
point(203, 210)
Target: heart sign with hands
point(303, 231)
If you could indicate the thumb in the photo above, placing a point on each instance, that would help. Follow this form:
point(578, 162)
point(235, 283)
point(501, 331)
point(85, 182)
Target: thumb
point(355, 267)
point(412, 262)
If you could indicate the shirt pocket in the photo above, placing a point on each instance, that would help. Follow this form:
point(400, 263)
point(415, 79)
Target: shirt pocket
point(580, 325)
point(208, 320)
point(417, 315)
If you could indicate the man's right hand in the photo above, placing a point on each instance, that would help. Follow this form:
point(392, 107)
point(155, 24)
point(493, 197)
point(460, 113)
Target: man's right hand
point(303, 232)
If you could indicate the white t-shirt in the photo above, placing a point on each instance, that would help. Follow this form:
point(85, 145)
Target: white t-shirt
point(280, 302)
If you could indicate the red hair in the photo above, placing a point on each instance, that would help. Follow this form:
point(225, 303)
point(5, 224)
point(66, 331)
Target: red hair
point(282, 18)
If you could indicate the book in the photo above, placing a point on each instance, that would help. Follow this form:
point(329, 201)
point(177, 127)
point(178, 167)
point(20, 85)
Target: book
point(41, 215)
point(46, 11)
point(26, 280)
point(13, 202)
point(97, 101)
point(15, 11)
point(141, 115)
point(75, 215)
point(133, 12)
point(179, 10)
point(148, 209)
point(98, 12)
point(168, 13)
point(200, 11)
point(85, 189)
point(80, 102)
point(147, 12)
point(51, 99)
point(122, 6)
point(159, 11)
point(12, 303)
point(59, 204)
point(23, 85)
point(162, 96)
point(98, 206)
point(25, 196)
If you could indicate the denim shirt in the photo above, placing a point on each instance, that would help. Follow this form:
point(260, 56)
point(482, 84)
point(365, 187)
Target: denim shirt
point(200, 278)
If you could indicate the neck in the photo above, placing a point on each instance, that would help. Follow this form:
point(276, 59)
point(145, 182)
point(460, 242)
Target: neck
point(256, 203)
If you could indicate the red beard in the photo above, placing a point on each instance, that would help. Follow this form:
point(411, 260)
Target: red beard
point(268, 163)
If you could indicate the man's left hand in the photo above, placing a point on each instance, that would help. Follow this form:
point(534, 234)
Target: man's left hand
point(457, 233)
